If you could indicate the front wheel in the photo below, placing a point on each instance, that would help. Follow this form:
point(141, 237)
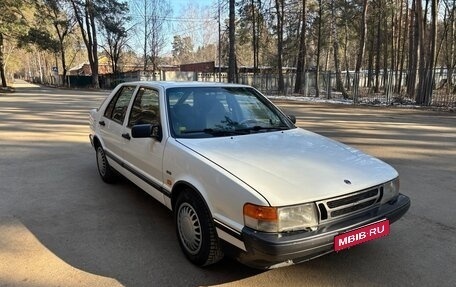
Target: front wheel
point(104, 169)
point(196, 231)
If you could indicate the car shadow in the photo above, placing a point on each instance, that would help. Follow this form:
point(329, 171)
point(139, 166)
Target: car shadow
point(119, 231)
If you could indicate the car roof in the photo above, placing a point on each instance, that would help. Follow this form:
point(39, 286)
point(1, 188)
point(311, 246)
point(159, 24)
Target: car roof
point(172, 84)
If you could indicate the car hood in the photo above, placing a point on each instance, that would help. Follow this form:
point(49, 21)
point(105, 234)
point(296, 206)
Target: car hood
point(293, 166)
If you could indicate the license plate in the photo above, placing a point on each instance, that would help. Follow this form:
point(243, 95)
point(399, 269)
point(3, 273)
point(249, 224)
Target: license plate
point(361, 235)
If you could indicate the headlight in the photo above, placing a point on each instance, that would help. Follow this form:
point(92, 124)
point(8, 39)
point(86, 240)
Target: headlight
point(390, 190)
point(281, 219)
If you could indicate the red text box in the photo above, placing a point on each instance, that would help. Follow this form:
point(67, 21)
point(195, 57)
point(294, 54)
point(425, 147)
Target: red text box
point(361, 235)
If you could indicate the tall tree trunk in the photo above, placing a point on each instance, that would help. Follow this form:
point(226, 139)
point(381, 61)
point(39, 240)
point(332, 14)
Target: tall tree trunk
point(392, 49)
point(40, 67)
point(89, 43)
point(451, 61)
point(2, 65)
point(232, 40)
point(370, 64)
point(146, 33)
point(347, 66)
point(422, 70)
point(362, 40)
point(94, 47)
point(258, 35)
point(280, 19)
point(88, 35)
point(339, 83)
point(402, 56)
point(398, 49)
point(64, 67)
point(254, 39)
point(413, 52)
point(328, 52)
point(377, 56)
point(386, 43)
point(362, 44)
point(429, 81)
point(301, 65)
point(450, 57)
point(317, 72)
point(61, 36)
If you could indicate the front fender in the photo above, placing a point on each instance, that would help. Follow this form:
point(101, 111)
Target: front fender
point(224, 194)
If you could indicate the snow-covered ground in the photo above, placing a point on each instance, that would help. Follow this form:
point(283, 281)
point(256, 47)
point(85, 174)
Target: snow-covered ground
point(379, 101)
point(312, 99)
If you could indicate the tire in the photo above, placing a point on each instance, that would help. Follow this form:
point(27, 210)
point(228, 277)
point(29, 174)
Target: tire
point(106, 172)
point(196, 231)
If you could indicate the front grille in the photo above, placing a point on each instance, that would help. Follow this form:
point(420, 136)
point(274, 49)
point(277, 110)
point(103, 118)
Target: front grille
point(353, 198)
point(333, 208)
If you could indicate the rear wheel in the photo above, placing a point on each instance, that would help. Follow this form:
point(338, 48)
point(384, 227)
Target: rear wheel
point(196, 231)
point(106, 172)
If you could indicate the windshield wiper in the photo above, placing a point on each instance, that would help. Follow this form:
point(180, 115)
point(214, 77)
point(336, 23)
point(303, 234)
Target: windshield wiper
point(215, 132)
point(260, 128)
point(238, 131)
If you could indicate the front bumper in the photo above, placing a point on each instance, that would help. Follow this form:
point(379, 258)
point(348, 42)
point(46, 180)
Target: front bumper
point(269, 250)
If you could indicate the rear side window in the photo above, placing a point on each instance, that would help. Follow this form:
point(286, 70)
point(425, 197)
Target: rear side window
point(118, 106)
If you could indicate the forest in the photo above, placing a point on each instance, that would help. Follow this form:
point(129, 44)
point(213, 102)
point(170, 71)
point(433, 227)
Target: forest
point(404, 48)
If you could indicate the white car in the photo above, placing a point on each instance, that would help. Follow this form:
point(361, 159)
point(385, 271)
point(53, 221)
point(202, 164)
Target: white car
point(239, 176)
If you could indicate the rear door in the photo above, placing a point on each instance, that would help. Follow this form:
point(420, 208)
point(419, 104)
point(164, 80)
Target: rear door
point(112, 122)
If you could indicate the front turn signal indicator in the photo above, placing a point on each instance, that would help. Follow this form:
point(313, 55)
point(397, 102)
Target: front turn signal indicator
point(261, 218)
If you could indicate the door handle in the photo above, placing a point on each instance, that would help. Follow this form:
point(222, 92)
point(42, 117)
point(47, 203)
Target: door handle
point(126, 136)
point(102, 123)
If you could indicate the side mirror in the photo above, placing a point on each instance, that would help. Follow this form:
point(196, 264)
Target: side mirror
point(292, 118)
point(147, 131)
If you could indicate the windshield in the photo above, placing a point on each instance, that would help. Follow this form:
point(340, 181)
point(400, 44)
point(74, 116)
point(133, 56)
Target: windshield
point(198, 112)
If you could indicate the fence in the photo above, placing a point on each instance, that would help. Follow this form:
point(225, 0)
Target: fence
point(365, 92)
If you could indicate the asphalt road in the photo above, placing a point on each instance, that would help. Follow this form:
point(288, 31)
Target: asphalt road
point(60, 225)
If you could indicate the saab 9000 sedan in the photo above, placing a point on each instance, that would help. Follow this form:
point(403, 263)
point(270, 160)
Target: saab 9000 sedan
point(240, 178)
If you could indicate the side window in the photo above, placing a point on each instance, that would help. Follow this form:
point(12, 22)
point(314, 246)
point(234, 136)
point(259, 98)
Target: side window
point(118, 106)
point(145, 108)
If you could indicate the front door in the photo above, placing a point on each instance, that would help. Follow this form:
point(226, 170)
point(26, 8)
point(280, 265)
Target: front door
point(144, 156)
